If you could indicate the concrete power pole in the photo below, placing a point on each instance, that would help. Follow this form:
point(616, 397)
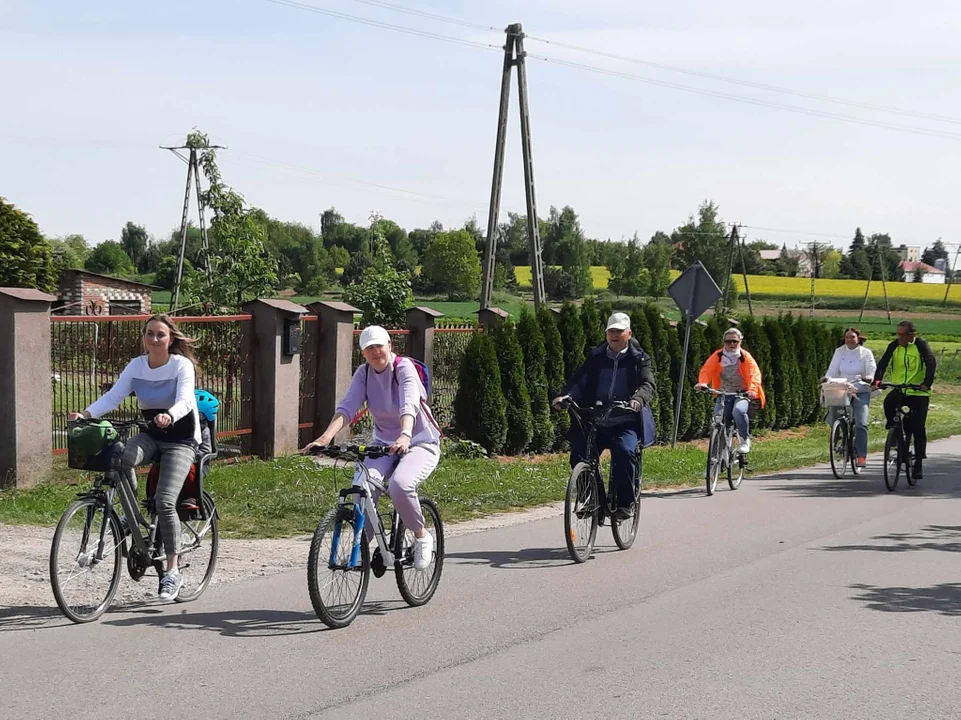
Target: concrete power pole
point(514, 55)
point(193, 176)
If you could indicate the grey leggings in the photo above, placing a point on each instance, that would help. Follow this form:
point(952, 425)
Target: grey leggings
point(175, 462)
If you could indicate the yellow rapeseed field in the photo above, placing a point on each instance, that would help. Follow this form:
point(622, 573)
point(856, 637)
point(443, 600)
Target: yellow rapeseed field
point(762, 285)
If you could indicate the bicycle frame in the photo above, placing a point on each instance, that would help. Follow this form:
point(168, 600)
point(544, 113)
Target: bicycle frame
point(359, 495)
point(589, 428)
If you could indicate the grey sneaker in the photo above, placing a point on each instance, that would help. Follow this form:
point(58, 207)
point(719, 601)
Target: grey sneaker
point(170, 585)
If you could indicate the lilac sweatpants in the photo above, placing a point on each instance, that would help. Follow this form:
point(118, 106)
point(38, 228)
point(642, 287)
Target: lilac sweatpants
point(406, 473)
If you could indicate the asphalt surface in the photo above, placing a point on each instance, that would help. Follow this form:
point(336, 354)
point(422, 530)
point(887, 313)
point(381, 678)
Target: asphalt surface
point(797, 596)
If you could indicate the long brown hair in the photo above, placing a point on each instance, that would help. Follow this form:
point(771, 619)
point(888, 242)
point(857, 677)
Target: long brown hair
point(180, 344)
point(857, 332)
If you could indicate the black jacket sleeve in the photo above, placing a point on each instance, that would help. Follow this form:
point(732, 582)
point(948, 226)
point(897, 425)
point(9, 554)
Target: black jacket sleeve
point(930, 361)
point(647, 387)
point(885, 359)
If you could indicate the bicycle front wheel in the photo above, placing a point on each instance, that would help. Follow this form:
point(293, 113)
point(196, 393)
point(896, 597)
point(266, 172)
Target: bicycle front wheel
point(581, 506)
point(735, 465)
point(84, 573)
point(199, 543)
point(714, 450)
point(625, 531)
point(839, 448)
point(892, 459)
point(336, 589)
point(417, 587)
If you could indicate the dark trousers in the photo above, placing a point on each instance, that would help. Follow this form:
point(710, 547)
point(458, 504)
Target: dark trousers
point(622, 442)
point(914, 421)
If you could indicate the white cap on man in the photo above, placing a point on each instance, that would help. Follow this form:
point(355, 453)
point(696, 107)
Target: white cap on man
point(373, 335)
point(619, 321)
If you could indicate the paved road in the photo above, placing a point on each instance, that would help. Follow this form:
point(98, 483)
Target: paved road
point(797, 596)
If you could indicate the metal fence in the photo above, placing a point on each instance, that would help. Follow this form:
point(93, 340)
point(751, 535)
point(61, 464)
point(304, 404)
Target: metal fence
point(308, 379)
point(87, 356)
point(449, 346)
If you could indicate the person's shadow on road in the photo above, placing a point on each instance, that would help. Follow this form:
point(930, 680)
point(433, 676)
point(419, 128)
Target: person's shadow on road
point(522, 559)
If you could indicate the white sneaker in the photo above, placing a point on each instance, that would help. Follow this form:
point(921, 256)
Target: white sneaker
point(745, 447)
point(423, 551)
point(170, 585)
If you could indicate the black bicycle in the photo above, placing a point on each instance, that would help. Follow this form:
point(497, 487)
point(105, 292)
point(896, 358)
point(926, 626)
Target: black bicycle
point(722, 448)
point(897, 446)
point(843, 429)
point(340, 563)
point(586, 503)
point(90, 542)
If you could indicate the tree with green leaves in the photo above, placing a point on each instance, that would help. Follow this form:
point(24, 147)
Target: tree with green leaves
point(593, 325)
point(69, 253)
point(25, 257)
point(133, 239)
point(452, 265)
point(566, 246)
point(109, 258)
point(510, 361)
point(658, 350)
point(703, 237)
point(572, 334)
point(383, 294)
point(554, 367)
point(656, 257)
point(535, 374)
point(781, 376)
point(479, 405)
point(936, 252)
point(629, 276)
point(756, 342)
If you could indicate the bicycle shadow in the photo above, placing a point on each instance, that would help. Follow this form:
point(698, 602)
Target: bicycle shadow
point(246, 623)
point(522, 559)
point(30, 617)
point(940, 481)
point(944, 599)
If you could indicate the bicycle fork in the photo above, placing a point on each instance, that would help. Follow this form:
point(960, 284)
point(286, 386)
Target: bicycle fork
point(363, 506)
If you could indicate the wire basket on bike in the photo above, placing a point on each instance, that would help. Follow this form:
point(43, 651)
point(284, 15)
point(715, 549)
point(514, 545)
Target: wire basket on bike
point(836, 392)
point(91, 445)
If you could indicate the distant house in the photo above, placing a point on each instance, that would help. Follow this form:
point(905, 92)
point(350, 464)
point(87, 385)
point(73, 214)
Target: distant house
point(929, 274)
point(770, 255)
point(909, 254)
point(86, 293)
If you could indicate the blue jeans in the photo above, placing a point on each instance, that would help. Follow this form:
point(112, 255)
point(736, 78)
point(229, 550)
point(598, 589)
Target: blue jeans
point(737, 407)
point(860, 404)
point(622, 442)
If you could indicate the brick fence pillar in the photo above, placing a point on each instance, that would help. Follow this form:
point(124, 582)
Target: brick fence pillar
point(420, 342)
point(335, 351)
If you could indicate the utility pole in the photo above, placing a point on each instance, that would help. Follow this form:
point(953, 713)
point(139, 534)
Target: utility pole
point(193, 175)
point(514, 55)
point(880, 260)
point(747, 287)
point(950, 273)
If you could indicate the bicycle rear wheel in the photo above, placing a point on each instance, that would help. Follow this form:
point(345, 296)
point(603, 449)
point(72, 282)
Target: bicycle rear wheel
point(83, 576)
point(852, 453)
point(337, 591)
point(417, 587)
point(908, 463)
point(714, 451)
point(199, 543)
point(839, 448)
point(735, 464)
point(625, 531)
point(581, 506)
point(892, 459)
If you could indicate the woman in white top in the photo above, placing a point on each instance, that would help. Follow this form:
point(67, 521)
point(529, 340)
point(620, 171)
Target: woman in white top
point(855, 363)
point(163, 381)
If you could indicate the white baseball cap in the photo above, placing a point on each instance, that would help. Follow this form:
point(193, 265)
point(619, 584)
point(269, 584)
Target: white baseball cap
point(373, 335)
point(619, 321)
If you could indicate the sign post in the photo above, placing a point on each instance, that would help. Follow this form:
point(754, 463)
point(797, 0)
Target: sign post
point(693, 292)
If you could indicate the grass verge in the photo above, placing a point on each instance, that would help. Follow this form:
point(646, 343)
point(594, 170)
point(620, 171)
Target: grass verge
point(288, 496)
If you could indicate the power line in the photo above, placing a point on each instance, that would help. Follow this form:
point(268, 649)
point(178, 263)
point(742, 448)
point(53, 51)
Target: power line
point(670, 68)
point(748, 83)
point(385, 26)
point(750, 101)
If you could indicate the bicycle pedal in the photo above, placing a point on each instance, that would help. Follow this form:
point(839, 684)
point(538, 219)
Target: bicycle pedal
point(377, 565)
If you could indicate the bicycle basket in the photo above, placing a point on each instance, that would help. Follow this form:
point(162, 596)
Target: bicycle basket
point(91, 446)
point(835, 394)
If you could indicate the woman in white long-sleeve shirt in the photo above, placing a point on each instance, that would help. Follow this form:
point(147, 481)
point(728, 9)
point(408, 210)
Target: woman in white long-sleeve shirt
point(163, 381)
point(855, 363)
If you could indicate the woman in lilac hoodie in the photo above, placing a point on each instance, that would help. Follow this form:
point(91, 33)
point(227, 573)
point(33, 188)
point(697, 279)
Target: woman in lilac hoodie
point(396, 400)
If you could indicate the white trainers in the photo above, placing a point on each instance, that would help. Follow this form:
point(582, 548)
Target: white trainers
point(423, 551)
point(745, 447)
point(170, 585)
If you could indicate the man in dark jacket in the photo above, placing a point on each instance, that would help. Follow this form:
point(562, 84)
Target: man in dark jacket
point(618, 369)
point(909, 360)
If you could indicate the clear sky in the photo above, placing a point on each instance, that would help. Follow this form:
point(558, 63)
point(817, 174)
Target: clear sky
point(318, 111)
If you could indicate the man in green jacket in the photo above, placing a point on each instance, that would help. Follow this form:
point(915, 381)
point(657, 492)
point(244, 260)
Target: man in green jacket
point(911, 362)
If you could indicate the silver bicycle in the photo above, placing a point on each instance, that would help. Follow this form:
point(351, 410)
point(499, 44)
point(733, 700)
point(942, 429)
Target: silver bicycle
point(722, 448)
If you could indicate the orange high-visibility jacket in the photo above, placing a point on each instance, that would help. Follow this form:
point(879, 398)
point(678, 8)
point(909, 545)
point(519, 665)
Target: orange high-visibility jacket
point(711, 373)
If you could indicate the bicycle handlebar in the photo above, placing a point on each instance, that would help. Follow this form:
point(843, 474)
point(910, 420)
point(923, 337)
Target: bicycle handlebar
point(351, 452)
point(898, 386)
point(723, 393)
point(569, 402)
point(118, 424)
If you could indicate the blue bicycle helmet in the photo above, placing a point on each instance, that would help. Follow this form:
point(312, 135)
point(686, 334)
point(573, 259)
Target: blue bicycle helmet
point(207, 405)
